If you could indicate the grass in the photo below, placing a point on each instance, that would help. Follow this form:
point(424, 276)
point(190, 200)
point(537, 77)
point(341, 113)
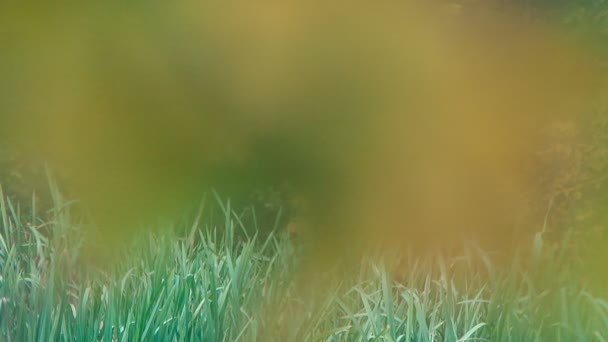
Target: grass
point(208, 285)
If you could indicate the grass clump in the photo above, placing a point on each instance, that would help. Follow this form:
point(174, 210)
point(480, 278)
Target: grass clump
point(208, 285)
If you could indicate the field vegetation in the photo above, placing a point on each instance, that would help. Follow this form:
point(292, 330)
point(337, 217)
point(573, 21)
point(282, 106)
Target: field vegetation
point(288, 173)
point(201, 283)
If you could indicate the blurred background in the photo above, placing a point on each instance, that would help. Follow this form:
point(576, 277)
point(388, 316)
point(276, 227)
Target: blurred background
point(414, 124)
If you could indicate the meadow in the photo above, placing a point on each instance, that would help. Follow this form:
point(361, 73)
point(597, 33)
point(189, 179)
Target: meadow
point(415, 172)
point(205, 281)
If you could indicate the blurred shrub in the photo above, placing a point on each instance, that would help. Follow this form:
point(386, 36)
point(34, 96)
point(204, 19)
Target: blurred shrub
point(23, 180)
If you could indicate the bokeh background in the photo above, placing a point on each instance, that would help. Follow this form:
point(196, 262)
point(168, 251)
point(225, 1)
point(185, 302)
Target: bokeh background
point(413, 124)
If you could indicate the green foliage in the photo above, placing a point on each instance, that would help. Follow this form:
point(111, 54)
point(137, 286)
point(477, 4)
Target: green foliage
point(213, 287)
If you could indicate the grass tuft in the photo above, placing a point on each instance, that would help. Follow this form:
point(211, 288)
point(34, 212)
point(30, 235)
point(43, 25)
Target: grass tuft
point(207, 286)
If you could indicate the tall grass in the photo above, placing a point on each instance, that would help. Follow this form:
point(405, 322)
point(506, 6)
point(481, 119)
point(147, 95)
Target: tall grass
point(208, 285)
